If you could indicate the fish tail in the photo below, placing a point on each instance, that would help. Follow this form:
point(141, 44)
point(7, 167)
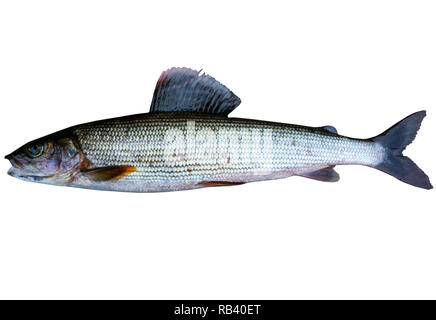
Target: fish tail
point(395, 140)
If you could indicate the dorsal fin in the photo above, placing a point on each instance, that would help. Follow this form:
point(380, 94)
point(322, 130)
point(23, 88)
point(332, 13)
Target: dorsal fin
point(187, 90)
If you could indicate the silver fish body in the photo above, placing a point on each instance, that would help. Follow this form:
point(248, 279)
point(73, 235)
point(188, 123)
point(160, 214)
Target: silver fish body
point(187, 141)
point(173, 151)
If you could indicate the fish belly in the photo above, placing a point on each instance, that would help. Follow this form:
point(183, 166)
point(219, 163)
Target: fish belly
point(184, 152)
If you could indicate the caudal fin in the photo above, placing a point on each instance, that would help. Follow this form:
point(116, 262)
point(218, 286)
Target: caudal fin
point(395, 140)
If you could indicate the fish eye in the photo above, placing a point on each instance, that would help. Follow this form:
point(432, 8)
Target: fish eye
point(34, 150)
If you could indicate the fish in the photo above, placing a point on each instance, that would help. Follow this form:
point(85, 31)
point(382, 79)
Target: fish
point(188, 141)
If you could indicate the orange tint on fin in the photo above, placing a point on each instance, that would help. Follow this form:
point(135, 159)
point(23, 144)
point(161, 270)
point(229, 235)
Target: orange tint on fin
point(219, 183)
point(108, 173)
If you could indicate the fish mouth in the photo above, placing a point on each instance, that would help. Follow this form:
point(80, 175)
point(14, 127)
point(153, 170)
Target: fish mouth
point(16, 169)
point(13, 172)
point(15, 162)
point(16, 173)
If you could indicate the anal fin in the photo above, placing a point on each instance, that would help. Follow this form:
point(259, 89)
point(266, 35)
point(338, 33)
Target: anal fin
point(108, 173)
point(327, 174)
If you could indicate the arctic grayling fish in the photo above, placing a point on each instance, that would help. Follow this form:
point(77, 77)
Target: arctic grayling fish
point(187, 141)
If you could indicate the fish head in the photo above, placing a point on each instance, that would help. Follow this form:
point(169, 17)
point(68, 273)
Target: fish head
point(52, 159)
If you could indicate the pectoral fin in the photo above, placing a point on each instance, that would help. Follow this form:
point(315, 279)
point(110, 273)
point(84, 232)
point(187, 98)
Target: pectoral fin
point(326, 174)
point(108, 173)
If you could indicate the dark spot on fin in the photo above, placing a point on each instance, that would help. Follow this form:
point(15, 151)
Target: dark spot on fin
point(330, 129)
point(326, 174)
point(219, 183)
point(108, 173)
point(187, 90)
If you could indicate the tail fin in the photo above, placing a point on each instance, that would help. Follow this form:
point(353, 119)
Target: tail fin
point(395, 140)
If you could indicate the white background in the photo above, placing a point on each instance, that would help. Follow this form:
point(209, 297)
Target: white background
point(358, 65)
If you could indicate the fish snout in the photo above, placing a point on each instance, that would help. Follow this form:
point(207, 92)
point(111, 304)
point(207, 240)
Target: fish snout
point(14, 161)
